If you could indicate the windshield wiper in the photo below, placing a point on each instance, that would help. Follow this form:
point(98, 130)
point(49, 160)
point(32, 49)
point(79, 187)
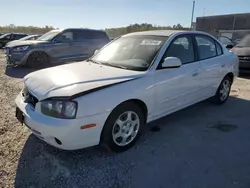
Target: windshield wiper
point(114, 65)
point(93, 61)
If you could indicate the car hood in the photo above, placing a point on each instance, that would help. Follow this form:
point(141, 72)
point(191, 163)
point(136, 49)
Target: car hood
point(241, 51)
point(25, 42)
point(71, 79)
point(11, 43)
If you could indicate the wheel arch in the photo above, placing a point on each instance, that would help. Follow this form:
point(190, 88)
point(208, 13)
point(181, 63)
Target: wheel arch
point(29, 57)
point(141, 104)
point(38, 51)
point(230, 75)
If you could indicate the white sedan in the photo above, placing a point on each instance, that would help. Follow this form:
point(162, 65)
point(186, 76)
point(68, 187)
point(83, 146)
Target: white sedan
point(135, 79)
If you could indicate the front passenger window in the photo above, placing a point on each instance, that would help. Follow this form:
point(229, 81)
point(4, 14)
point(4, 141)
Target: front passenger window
point(181, 48)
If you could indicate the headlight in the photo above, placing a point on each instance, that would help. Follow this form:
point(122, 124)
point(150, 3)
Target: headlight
point(59, 108)
point(20, 48)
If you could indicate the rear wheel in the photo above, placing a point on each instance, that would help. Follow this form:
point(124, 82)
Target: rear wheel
point(223, 91)
point(38, 60)
point(123, 127)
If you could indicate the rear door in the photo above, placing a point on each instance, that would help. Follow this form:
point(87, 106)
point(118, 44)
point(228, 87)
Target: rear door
point(177, 88)
point(211, 58)
point(100, 38)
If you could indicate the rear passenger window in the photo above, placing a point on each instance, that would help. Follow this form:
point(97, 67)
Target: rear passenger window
point(181, 48)
point(206, 47)
point(78, 35)
point(99, 35)
point(218, 48)
point(89, 34)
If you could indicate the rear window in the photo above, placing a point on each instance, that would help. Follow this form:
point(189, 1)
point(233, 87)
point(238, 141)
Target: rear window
point(89, 34)
point(99, 35)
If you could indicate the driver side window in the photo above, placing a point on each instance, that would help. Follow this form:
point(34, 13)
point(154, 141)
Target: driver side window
point(182, 48)
point(65, 37)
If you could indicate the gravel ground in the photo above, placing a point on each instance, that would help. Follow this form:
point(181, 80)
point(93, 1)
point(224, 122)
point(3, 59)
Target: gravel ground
point(202, 146)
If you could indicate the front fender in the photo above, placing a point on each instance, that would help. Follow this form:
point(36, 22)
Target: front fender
point(105, 100)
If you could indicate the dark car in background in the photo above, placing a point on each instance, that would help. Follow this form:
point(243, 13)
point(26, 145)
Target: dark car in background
point(8, 37)
point(56, 46)
point(242, 50)
point(29, 37)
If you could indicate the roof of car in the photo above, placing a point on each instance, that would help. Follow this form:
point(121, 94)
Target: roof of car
point(82, 29)
point(166, 33)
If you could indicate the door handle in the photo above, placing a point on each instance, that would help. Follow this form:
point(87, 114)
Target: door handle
point(195, 73)
point(223, 66)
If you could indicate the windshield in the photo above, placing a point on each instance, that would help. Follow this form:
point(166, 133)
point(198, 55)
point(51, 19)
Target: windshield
point(48, 36)
point(3, 36)
point(245, 42)
point(131, 52)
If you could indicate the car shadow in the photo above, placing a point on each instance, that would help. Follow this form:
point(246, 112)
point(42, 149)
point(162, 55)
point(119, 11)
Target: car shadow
point(17, 72)
point(187, 142)
point(20, 72)
point(244, 75)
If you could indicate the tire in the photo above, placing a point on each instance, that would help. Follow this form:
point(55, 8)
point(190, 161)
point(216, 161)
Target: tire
point(38, 60)
point(121, 132)
point(223, 91)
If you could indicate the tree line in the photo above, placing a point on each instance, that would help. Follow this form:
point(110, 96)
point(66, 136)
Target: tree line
point(25, 29)
point(112, 32)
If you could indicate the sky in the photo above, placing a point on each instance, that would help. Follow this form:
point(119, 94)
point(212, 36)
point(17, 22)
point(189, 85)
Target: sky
point(100, 14)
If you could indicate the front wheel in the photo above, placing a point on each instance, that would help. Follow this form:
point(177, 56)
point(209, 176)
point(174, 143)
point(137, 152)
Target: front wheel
point(123, 127)
point(223, 91)
point(38, 60)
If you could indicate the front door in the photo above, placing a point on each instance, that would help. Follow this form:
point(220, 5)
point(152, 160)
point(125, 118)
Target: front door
point(177, 88)
point(64, 48)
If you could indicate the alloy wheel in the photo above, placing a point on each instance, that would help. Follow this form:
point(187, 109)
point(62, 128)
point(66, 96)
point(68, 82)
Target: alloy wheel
point(126, 128)
point(224, 90)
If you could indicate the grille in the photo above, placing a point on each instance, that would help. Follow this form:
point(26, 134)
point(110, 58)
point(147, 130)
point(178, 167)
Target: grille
point(245, 58)
point(32, 100)
point(29, 98)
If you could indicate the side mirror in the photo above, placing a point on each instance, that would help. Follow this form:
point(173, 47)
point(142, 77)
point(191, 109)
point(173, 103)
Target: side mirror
point(171, 62)
point(57, 40)
point(96, 51)
point(229, 46)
